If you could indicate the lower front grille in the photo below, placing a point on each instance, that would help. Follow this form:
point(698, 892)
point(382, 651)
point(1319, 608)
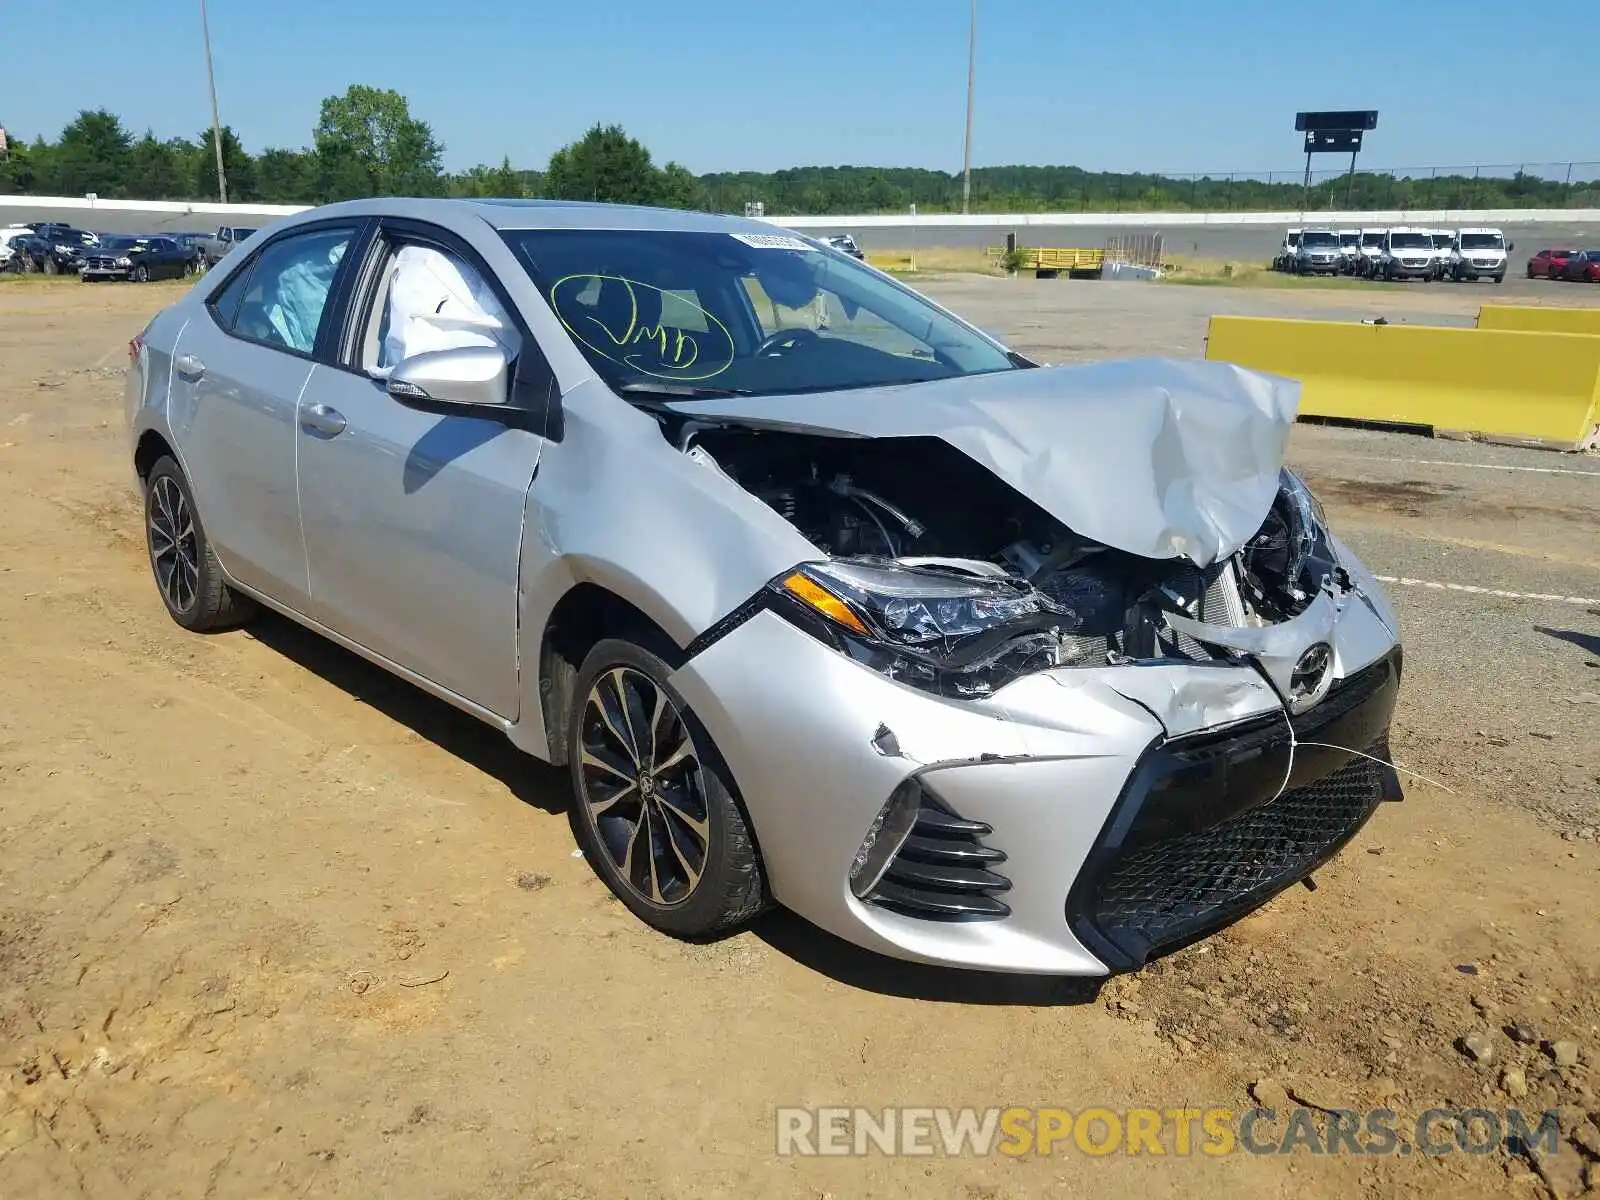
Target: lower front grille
point(1214, 824)
point(944, 872)
point(1161, 895)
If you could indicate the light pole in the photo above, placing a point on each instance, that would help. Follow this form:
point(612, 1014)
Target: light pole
point(972, 60)
point(216, 119)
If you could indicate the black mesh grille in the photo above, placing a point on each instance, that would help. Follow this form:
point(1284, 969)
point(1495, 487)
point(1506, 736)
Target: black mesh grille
point(944, 872)
point(1172, 890)
point(1202, 835)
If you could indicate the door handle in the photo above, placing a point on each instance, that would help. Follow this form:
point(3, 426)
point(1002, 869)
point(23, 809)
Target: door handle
point(322, 420)
point(189, 366)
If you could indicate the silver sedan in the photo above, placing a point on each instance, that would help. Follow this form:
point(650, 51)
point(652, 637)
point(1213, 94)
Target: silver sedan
point(824, 597)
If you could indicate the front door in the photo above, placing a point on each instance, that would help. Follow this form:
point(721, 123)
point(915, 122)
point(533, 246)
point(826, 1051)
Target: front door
point(413, 522)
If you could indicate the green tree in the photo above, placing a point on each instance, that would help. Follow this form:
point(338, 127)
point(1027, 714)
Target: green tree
point(91, 155)
point(604, 164)
point(19, 169)
point(239, 166)
point(286, 176)
point(484, 180)
point(676, 187)
point(159, 170)
point(368, 143)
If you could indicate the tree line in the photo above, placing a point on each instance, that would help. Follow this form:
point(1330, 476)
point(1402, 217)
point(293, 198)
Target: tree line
point(368, 142)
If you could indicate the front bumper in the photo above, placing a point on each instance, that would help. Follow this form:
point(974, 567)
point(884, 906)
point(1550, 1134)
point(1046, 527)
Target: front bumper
point(1402, 270)
point(1092, 817)
point(1484, 270)
point(103, 272)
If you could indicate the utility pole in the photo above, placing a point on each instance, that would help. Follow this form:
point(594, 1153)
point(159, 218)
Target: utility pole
point(972, 61)
point(216, 119)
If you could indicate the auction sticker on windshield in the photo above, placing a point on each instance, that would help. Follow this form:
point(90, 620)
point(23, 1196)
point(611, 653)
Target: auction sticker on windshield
point(772, 241)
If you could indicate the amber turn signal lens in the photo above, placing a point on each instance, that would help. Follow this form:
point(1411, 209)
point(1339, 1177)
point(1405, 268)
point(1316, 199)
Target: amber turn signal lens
point(807, 590)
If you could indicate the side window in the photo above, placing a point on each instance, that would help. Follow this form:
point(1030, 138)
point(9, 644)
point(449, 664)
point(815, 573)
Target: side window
point(287, 289)
point(429, 299)
point(225, 304)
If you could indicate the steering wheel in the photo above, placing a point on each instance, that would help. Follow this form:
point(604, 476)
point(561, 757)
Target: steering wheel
point(785, 339)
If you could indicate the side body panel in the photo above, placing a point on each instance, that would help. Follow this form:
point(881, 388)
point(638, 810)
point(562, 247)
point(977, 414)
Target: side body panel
point(413, 534)
point(235, 422)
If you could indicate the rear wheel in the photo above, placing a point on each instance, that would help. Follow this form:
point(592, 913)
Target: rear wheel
point(653, 804)
point(186, 570)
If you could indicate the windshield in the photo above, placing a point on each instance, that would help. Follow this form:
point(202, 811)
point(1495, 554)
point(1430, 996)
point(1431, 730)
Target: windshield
point(1372, 239)
point(1482, 241)
point(118, 243)
point(739, 312)
point(1409, 241)
point(1441, 241)
point(1349, 239)
point(1319, 240)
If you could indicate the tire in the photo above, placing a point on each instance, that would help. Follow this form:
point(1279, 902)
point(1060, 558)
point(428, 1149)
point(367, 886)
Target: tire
point(188, 577)
point(51, 267)
point(141, 274)
point(1499, 279)
point(619, 678)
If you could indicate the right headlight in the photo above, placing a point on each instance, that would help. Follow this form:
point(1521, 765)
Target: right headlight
point(943, 631)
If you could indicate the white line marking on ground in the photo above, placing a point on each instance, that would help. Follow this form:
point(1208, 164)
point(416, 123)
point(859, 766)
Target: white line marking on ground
point(1483, 591)
point(1445, 462)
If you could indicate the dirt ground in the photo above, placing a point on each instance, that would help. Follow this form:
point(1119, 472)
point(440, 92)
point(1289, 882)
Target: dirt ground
point(273, 924)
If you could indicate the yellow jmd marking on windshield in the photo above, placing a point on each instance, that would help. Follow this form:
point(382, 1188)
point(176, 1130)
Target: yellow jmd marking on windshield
point(656, 350)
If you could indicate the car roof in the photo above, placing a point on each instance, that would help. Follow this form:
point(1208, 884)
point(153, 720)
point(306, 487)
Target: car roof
point(544, 214)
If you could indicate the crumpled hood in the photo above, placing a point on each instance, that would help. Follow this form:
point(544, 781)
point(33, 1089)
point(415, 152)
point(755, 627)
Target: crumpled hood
point(1158, 457)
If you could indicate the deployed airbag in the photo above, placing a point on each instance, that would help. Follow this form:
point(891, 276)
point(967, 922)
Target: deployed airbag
point(435, 305)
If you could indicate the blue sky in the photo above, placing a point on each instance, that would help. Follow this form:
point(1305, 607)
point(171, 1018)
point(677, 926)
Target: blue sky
point(1179, 85)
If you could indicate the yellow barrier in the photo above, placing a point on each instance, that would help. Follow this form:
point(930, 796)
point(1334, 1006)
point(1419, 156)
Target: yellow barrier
point(1052, 260)
point(1505, 384)
point(892, 261)
point(1528, 318)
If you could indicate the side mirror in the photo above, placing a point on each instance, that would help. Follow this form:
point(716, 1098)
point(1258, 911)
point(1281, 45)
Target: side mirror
point(1510, 246)
point(463, 381)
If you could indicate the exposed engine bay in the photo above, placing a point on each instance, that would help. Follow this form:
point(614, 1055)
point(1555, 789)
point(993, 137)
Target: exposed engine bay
point(920, 503)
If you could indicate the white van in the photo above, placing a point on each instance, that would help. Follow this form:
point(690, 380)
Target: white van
point(1480, 254)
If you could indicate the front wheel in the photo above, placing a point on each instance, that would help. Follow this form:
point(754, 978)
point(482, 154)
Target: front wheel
point(51, 267)
point(186, 569)
point(141, 274)
point(652, 802)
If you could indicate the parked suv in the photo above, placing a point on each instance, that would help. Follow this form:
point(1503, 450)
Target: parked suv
point(53, 248)
point(1480, 254)
point(1284, 259)
point(1443, 243)
point(1406, 254)
point(1350, 247)
point(1319, 253)
point(1371, 248)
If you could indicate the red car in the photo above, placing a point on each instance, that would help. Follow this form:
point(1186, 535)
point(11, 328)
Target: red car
point(1549, 263)
point(1583, 267)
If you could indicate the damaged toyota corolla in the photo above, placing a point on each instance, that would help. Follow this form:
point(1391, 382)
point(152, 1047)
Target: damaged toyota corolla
point(824, 597)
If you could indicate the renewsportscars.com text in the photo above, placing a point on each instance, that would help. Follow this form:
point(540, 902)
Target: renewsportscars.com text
point(1211, 1132)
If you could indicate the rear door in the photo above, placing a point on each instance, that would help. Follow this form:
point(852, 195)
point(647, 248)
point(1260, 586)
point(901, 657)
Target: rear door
point(413, 522)
point(238, 372)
